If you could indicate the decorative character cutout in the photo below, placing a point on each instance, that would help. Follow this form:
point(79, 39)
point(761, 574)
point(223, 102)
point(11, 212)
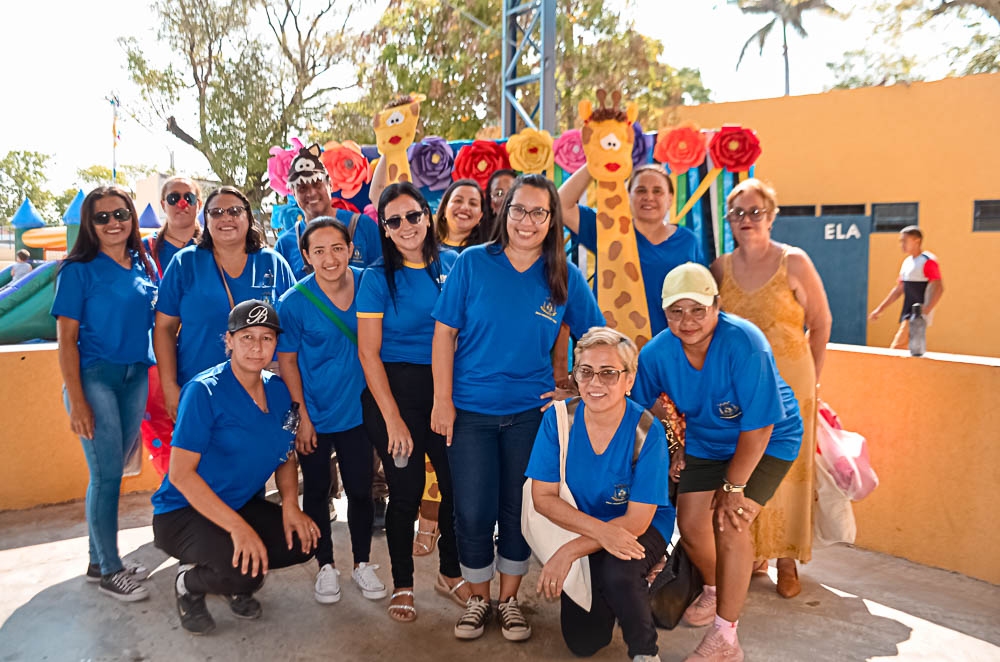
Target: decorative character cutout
point(307, 167)
point(608, 138)
point(395, 128)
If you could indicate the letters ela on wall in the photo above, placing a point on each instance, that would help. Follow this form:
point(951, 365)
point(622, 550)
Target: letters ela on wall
point(836, 231)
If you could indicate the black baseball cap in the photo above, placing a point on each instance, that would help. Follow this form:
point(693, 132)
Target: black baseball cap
point(253, 312)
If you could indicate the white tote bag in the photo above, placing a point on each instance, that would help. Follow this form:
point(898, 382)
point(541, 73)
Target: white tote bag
point(544, 536)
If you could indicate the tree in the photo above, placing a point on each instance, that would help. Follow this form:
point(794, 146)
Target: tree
point(22, 175)
point(789, 12)
point(861, 68)
point(98, 175)
point(454, 57)
point(249, 90)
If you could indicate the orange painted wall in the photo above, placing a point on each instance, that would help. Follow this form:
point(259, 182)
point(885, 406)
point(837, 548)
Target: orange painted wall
point(42, 461)
point(932, 143)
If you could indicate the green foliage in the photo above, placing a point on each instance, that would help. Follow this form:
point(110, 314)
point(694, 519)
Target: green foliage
point(861, 68)
point(62, 201)
point(99, 175)
point(22, 174)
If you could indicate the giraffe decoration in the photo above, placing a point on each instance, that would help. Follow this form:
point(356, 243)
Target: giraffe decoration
point(395, 128)
point(607, 137)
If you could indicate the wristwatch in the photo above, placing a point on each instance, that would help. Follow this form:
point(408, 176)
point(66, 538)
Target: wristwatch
point(729, 487)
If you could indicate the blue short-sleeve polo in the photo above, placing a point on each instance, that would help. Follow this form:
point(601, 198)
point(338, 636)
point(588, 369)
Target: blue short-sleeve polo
point(167, 251)
point(367, 245)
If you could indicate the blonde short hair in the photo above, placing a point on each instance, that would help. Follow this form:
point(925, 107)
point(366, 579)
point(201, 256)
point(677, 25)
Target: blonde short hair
point(603, 335)
point(754, 185)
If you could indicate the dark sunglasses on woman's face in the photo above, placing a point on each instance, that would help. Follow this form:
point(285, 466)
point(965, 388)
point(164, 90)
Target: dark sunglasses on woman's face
point(104, 217)
point(219, 212)
point(412, 217)
point(175, 197)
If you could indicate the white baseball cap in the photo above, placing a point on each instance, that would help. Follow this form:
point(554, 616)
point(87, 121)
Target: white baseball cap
point(689, 281)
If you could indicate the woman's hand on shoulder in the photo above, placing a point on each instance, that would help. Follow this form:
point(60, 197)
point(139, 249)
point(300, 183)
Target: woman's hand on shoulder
point(560, 393)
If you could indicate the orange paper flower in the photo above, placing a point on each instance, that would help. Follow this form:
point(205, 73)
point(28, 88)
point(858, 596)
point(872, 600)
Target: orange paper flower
point(681, 148)
point(531, 151)
point(347, 166)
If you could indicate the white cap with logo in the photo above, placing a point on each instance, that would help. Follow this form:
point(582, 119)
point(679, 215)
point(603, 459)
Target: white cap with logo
point(689, 281)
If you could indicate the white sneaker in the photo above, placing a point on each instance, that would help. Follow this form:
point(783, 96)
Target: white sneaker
point(369, 583)
point(327, 589)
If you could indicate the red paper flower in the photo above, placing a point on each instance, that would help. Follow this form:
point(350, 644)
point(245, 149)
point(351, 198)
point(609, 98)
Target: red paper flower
point(347, 167)
point(734, 148)
point(681, 148)
point(479, 160)
point(340, 203)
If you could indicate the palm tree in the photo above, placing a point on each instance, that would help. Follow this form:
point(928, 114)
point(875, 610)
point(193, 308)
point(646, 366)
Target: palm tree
point(789, 12)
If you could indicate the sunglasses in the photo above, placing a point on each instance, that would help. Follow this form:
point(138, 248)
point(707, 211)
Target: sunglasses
point(175, 197)
point(412, 217)
point(104, 217)
point(219, 212)
point(608, 376)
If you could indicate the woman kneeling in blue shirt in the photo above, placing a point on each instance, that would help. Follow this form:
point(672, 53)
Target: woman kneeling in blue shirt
point(234, 429)
point(623, 513)
point(743, 431)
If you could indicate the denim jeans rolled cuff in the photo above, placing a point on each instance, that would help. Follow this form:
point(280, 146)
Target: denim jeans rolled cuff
point(478, 575)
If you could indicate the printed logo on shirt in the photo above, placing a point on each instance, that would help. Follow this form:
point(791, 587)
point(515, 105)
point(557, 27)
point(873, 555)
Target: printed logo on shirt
point(441, 278)
point(619, 496)
point(548, 311)
point(357, 257)
point(728, 411)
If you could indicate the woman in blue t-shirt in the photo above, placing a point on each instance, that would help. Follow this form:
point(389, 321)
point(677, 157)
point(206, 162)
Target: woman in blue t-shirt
point(460, 217)
point(395, 329)
point(202, 284)
point(235, 428)
point(616, 469)
point(105, 293)
point(497, 320)
point(318, 357)
point(743, 430)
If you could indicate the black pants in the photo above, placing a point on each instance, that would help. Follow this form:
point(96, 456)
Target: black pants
point(354, 454)
point(620, 592)
point(413, 388)
point(190, 537)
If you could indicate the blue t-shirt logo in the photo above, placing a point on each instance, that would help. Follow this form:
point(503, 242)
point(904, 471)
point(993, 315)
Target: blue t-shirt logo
point(548, 311)
point(620, 495)
point(728, 410)
point(357, 255)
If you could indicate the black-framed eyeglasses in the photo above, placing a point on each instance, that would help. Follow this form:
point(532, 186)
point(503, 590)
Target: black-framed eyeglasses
point(104, 217)
point(756, 214)
point(219, 212)
point(537, 215)
point(175, 197)
point(412, 217)
point(608, 376)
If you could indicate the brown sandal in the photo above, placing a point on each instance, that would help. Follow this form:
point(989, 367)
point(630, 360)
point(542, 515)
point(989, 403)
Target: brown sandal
point(442, 587)
point(402, 613)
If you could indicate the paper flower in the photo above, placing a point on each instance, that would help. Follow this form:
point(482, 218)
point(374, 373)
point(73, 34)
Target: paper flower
point(340, 203)
point(734, 148)
point(640, 149)
point(431, 161)
point(531, 151)
point(347, 166)
point(568, 149)
point(681, 148)
point(478, 160)
point(278, 165)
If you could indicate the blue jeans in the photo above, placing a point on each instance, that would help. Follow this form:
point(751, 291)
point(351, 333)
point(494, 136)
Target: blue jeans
point(117, 396)
point(488, 456)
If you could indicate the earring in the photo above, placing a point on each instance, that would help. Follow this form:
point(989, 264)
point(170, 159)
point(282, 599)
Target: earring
point(628, 392)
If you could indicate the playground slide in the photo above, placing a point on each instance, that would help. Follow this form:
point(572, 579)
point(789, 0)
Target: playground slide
point(24, 306)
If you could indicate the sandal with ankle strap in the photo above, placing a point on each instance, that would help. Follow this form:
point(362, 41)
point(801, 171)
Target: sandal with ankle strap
point(421, 548)
point(442, 587)
point(402, 613)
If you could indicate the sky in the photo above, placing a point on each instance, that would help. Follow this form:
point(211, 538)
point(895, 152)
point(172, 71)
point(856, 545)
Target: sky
point(58, 77)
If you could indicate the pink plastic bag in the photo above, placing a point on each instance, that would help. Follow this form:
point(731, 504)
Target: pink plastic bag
point(845, 455)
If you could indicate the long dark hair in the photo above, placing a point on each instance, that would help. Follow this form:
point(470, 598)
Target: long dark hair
point(88, 245)
point(479, 233)
point(319, 223)
point(553, 253)
point(255, 235)
point(157, 243)
point(490, 225)
point(391, 256)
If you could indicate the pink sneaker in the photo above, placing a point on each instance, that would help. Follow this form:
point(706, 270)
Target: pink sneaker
point(715, 648)
point(701, 611)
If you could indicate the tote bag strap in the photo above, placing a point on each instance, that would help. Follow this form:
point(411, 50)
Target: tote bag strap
point(641, 430)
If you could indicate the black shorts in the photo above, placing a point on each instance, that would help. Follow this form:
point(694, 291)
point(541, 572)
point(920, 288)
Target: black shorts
point(701, 475)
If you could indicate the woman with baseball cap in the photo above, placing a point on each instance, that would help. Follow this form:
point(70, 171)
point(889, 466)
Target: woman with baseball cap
point(235, 427)
point(743, 432)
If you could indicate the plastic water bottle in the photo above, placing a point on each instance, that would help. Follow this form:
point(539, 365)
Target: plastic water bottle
point(292, 419)
point(918, 331)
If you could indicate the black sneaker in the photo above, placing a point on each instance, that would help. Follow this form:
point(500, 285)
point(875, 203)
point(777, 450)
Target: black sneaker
point(474, 620)
point(193, 612)
point(244, 605)
point(121, 586)
point(513, 625)
point(134, 569)
point(93, 573)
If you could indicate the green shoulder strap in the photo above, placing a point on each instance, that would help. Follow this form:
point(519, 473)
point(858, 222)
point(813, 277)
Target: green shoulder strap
point(325, 309)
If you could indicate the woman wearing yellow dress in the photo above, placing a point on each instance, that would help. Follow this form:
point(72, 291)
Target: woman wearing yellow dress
point(776, 287)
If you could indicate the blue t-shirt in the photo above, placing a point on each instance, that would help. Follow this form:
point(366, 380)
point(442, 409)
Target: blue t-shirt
point(167, 251)
point(655, 260)
point(192, 289)
point(332, 379)
point(114, 307)
point(458, 248)
point(407, 325)
point(602, 485)
point(367, 246)
point(240, 445)
point(506, 329)
point(738, 388)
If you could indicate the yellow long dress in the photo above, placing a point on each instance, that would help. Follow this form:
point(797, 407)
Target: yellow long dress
point(784, 527)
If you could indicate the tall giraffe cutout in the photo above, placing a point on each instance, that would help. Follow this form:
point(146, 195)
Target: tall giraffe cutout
point(395, 128)
point(607, 143)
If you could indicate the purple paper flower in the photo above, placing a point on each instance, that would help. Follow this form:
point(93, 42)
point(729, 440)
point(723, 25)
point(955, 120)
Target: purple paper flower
point(640, 147)
point(568, 149)
point(431, 162)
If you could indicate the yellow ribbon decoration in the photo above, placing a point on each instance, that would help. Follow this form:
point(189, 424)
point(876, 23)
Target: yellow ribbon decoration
point(698, 192)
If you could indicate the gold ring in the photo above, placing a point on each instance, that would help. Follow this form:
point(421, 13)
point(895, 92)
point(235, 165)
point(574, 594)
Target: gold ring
point(739, 511)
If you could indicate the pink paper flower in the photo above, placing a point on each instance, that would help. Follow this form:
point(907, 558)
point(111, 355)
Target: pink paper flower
point(569, 151)
point(278, 165)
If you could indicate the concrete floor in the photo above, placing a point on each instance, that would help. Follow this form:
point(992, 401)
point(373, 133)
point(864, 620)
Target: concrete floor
point(855, 605)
